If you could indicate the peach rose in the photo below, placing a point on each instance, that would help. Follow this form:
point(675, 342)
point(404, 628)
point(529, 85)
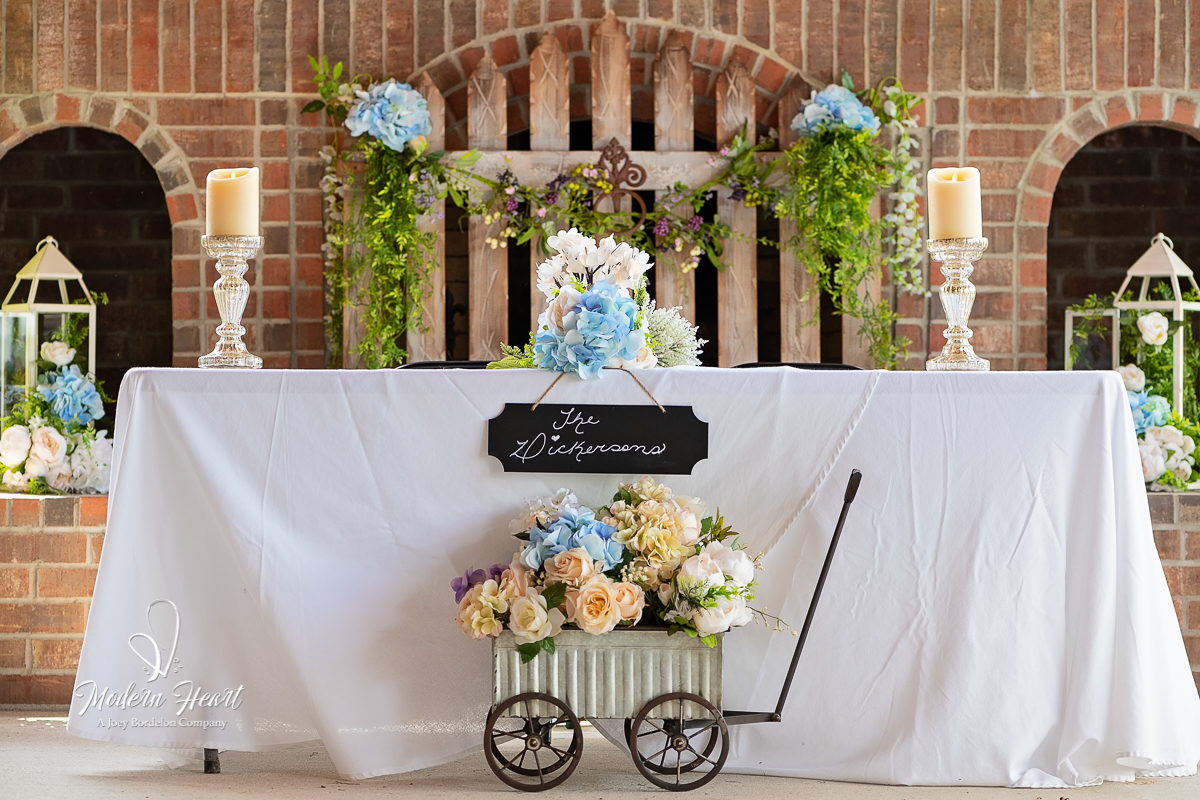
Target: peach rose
point(596, 609)
point(631, 599)
point(572, 567)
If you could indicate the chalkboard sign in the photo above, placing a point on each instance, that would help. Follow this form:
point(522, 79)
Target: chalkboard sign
point(598, 439)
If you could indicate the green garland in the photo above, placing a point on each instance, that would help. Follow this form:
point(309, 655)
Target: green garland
point(833, 178)
point(836, 174)
point(1158, 362)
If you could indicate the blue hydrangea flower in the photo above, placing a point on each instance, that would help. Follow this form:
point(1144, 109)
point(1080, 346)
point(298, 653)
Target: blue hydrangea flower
point(394, 113)
point(596, 539)
point(574, 526)
point(835, 107)
point(1148, 410)
point(601, 327)
point(72, 396)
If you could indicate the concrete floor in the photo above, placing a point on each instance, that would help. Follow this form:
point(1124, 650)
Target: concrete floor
point(38, 758)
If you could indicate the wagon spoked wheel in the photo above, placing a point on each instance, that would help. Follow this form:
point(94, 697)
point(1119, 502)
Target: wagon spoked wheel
point(521, 748)
point(673, 739)
point(708, 745)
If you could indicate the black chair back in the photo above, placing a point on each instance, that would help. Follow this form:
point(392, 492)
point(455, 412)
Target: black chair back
point(795, 364)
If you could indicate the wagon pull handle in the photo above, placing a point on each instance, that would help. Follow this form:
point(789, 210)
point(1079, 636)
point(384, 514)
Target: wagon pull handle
point(851, 492)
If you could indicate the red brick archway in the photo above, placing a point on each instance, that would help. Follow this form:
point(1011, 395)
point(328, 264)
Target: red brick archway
point(1035, 192)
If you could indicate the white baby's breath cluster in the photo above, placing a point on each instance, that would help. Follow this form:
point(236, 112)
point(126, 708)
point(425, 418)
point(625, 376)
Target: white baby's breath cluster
point(904, 218)
point(673, 338)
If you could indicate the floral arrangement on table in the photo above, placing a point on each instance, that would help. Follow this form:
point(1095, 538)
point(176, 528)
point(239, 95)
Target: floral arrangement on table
point(830, 177)
point(599, 314)
point(648, 557)
point(49, 443)
point(837, 168)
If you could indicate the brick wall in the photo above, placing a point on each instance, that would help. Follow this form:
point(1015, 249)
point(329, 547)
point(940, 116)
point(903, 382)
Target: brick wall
point(1014, 88)
point(49, 549)
point(1176, 521)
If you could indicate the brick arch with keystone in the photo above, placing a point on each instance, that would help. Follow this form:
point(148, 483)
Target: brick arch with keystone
point(711, 52)
point(1035, 191)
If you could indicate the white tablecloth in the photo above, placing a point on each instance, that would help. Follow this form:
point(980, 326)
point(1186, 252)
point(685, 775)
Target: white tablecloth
point(996, 613)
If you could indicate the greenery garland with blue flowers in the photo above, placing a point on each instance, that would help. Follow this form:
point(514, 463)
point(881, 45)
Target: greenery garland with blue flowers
point(829, 179)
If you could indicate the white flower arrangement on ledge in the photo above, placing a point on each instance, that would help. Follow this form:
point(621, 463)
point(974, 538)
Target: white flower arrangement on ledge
point(1166, 440)
point(649, 557)
point(49, 443)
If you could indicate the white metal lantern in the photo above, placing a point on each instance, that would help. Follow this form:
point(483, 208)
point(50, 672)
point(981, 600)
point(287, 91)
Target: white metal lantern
point(1161, 262)
point(25, 323)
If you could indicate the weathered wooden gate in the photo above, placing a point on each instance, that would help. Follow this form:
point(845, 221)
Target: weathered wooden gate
point(672, 160)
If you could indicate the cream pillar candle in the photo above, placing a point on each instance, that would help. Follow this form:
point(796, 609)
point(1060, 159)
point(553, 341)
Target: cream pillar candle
point(232, 207)
point(955, 211)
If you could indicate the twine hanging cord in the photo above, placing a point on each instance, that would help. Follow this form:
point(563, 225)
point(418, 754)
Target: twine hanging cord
point(561, 375)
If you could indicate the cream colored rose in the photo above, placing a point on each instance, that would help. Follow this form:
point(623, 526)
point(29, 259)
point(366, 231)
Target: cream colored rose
point(1166, 434)
point(14, 445)
point(59, 476)
point(631, 599)
point(596, 609)
point(1134, 378)
point(645, 360)
point(1154, 328)
point(530, 620)
point(730, 612)
point(572, 567)
point(58, 353)
point(48, 445)
point(560, 307)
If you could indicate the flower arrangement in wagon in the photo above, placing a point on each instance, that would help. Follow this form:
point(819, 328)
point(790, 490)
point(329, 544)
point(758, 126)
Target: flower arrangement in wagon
point(598, 313)
point(648, 557)
point(49, 443)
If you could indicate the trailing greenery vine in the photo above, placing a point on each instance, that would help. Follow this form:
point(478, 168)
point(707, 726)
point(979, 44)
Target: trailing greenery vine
point(829, 181)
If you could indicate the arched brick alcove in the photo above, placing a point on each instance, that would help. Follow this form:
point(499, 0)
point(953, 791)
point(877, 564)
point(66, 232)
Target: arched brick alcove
point(1120, 189)
point(99, 197)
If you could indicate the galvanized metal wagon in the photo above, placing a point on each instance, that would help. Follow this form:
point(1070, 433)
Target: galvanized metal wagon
point(666, 688)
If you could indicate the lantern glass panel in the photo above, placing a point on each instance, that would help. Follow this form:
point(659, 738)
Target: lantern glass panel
point(17, 369)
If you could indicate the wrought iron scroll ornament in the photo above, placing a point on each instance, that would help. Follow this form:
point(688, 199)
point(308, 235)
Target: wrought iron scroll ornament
point(624, 175)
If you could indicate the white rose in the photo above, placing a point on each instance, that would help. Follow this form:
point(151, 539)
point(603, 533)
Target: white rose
point(36, 468)
point(1134, 378)
point(1166, 434)
point(645, 360)
point(736, 565)
point(1153, 327)
point(702, 572)
point(14, 445)
point(530, 621)
point(49, 445)
point(58, 353)
point(728, 613)
point(16, 481)
point(1189, 446)
point(1153, 463)
point(59, 476)
point(560, 307)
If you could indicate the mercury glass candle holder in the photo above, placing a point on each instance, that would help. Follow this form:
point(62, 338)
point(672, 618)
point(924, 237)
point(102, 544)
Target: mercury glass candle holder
point(957, 257)
point(231, 292)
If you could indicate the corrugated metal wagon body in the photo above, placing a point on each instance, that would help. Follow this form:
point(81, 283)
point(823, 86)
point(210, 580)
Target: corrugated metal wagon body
point(610, 676)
